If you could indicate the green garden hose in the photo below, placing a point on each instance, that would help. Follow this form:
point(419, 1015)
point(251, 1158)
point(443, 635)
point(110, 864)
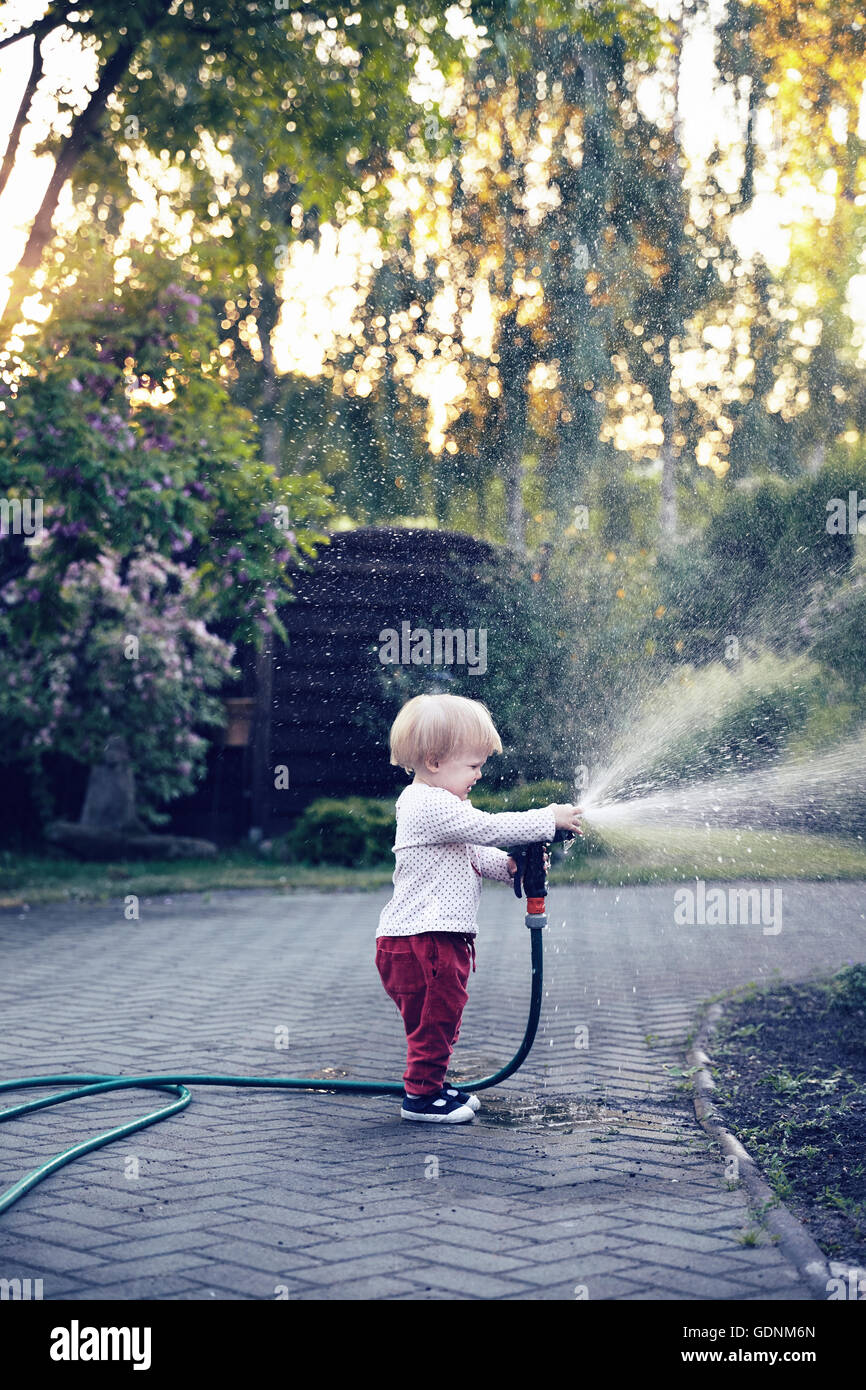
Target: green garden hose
point(89, 1085)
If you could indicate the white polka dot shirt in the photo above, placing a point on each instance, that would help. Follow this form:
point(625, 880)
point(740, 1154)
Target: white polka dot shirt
point(443, 850)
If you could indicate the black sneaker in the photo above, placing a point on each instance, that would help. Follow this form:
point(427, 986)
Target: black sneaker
point(464, 1097)
point(439, 1108)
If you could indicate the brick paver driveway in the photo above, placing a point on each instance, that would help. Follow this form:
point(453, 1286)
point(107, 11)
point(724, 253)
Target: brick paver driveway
point(585, 1174)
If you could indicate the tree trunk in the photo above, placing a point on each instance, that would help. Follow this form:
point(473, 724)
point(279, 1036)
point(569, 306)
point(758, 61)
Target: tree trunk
point(14, 141)
point(272, 430)
point(512, 371)
point(669, 518)
point(514, 359)
point(580, 328)
point(82, 136)
point(262, 770)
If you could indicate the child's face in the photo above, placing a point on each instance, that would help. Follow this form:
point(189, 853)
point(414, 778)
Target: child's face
point(457, 774)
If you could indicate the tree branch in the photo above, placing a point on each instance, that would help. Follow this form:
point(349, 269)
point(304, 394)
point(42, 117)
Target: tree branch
point(33, 81)
point(84, 129)
point(27, 33)
point(55, 17)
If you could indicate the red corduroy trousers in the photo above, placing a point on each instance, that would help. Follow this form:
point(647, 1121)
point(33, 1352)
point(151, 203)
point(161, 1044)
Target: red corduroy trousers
point(426, 976)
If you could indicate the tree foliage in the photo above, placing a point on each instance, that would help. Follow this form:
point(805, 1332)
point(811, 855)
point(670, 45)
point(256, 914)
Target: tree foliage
point(159, 522)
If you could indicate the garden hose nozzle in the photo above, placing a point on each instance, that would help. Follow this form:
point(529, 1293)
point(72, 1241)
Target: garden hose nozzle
point(531, 876)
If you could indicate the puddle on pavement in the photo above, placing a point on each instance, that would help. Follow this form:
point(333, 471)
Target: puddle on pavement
point(563, 1115)
point(326, 1074)
point(541, 1114)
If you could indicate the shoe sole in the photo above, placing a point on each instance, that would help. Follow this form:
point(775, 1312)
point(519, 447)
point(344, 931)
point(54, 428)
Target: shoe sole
point(455, 1117)
point(473, 1102)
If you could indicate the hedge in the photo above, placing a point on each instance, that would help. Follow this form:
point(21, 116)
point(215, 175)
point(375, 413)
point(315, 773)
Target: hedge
point(360, 829)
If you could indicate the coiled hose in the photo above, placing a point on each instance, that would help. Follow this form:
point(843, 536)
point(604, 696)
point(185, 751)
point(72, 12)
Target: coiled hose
point(91, 1085)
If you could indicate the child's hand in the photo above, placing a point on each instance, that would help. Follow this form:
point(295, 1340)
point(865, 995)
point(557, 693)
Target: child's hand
point(567, 817)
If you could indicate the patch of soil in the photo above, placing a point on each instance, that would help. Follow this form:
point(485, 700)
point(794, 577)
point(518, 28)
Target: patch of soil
point(790, 1067)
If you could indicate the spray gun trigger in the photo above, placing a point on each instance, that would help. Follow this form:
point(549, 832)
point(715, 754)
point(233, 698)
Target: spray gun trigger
point(518, 854)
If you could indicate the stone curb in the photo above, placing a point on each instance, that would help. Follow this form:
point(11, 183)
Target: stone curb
point(794, 1240)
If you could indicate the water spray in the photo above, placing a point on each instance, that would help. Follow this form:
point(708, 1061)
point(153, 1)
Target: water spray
point(818, 790)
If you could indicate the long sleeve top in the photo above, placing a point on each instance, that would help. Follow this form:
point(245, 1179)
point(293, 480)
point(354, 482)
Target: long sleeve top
point(443, 848)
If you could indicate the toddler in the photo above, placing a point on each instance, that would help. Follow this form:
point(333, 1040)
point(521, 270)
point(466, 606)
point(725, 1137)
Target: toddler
point(443, 848)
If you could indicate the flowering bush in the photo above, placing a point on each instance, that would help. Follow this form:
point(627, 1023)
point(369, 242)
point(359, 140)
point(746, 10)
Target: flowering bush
point(160, 523)
point(128, 654)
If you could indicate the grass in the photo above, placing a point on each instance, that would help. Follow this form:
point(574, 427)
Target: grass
point(46, 878)
point(644, 858)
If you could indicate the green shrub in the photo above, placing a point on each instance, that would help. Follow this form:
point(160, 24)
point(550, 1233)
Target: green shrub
point(851, 988)
point(840, 624)
point(360, 829)
point(528, 797)
point(355, 830)
point(750, 735)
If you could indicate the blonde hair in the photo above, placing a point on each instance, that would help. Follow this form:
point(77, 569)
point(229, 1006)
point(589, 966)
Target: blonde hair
point(435, 726)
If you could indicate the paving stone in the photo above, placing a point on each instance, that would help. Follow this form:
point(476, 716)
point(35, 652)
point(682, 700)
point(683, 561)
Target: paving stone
point(329, 1194)
point(251, 1283)
point(580, 1268)
point(463, 1282)
point(168, 1286)
point(38, 1258)
point(154, 1265)
point(171, 1242)
point(681, 1237)
point(467, 1257)
point(341, 1270)
point(376, 1287)
point(689, 1283)
point(578, 1246)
